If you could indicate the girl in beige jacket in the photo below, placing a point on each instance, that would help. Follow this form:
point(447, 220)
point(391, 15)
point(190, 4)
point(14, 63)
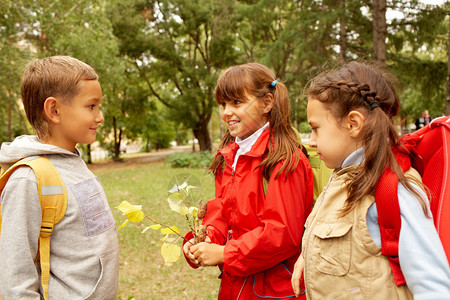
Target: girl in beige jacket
point(350, 111)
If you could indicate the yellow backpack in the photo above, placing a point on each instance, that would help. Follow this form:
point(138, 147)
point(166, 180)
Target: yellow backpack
point(53, 199)
point(321, 174)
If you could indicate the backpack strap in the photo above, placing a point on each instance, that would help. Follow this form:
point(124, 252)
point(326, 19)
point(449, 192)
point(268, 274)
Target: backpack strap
point(53, 200)
point(388, 208)
point(409, 154)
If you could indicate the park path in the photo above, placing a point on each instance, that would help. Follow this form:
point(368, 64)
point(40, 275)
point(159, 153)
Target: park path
point(138, 159)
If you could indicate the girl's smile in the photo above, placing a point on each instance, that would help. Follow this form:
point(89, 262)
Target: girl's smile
point(243, 117)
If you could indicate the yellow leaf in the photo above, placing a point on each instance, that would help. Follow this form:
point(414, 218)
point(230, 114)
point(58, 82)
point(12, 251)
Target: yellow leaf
point(169, 240)
point(132, 212)
point(155, 227)
point(185, 188)
point(170, 252)
point(170, 230)
point(123, 224)
point(176, 204)
point(175, 197)
point(193, 211)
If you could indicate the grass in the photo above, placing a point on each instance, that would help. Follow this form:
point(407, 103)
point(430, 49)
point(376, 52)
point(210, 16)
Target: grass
point(143, 274)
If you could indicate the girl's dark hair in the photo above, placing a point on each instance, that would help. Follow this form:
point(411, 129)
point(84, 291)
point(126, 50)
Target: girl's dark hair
point(240, 81)
point(369, 89)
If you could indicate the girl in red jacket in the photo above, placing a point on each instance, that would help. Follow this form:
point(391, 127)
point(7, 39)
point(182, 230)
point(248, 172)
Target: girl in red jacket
point(254, 233)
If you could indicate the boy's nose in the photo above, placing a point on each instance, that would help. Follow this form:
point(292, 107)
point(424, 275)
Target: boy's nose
point(99, 118)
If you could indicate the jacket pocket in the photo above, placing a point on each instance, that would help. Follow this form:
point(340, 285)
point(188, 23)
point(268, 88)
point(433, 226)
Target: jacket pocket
point(107, 284)
point(354, 294)
point(274, 283)
point(333, 244)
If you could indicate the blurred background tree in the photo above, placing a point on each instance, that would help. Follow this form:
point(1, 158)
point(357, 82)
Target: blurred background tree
point(158, 60)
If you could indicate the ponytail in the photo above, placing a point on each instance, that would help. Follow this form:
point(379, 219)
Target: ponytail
point(370, 90)
point(235, 83)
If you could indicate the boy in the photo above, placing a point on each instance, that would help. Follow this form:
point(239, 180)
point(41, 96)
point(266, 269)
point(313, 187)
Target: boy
point(61, 97)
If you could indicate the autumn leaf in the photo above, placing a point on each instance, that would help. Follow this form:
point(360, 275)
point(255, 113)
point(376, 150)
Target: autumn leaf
point(176, 204)
point(132, 212)
point(122, 225)
point(193, 211)
point(170, 230)
point(170, 252)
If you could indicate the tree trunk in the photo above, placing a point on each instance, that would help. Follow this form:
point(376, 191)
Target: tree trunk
point(221, 129)
point(89, 156)
point(342, 33)
point(117, 145)
point(203, 136)
point(10, 135)
point(379, 30)
point(447, 93)
point(117, 137)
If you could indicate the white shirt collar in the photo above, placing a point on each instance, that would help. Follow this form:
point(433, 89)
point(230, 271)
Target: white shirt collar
point(355, 158)
point(245, 145)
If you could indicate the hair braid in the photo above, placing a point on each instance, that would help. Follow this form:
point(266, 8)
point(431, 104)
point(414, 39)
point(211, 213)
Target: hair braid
point(363, 87)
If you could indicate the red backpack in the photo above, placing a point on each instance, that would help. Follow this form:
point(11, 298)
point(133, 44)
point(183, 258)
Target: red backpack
point(428, 151)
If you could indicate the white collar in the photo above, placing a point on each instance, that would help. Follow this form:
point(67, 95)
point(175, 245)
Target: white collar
point(245, 145)
point(355, 158)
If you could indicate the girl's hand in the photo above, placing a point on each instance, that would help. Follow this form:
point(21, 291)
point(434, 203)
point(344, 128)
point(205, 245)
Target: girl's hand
point(297, 275)
point(207, 253)
point(187, 251)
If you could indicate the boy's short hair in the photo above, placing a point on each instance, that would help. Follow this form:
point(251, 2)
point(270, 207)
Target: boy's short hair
point(54, 76)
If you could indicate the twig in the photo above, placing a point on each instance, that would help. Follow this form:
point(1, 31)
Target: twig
point(156, 222)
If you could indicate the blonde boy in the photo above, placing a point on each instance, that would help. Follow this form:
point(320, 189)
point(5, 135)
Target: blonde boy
point(61, 97)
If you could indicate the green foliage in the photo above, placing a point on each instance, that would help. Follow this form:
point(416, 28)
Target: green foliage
point(190, 160)
point(170, 52)
point(304, 127)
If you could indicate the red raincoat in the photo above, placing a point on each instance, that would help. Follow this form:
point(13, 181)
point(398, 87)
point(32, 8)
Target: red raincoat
point(261, 233)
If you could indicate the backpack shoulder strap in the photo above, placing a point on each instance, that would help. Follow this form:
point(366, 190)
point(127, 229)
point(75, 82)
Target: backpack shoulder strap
point(53, 199)
point(428, 151)
point(388, 208)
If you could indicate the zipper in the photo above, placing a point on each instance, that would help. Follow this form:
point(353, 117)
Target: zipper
point(313, 223)
point(230, 198)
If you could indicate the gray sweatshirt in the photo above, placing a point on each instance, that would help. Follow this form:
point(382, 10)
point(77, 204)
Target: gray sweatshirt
point(84, 251)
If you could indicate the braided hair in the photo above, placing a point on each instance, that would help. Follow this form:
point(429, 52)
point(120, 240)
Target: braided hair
point(370, 90)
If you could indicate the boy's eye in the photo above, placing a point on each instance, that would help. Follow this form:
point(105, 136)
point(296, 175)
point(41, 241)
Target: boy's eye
point(91, 106)
point(236, 102)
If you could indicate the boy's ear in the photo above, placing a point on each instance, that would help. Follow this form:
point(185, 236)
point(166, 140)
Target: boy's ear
point(355, 121)
point(267, 103)
point(51, 109)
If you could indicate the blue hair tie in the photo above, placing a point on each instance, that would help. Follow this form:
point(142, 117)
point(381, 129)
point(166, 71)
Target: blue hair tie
point(274, 83)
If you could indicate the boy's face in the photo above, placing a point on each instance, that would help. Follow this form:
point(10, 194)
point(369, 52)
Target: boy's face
point(80, 118)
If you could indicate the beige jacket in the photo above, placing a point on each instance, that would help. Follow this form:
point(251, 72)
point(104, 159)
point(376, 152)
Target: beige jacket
point(341, 259)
